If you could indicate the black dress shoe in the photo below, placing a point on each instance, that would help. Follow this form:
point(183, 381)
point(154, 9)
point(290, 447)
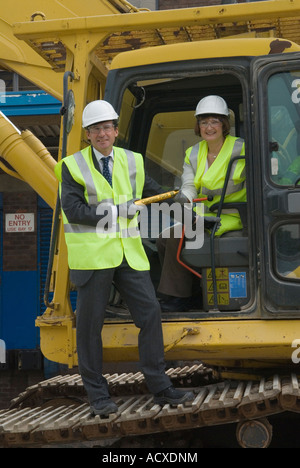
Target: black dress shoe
point(176, 304)
point(103, 407)
point(172, 396)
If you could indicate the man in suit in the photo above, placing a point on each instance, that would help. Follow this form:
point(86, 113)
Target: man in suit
point(98, 186)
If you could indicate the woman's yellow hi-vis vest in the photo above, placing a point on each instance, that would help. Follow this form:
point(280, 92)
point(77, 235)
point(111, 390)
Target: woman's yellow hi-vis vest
point(94, 248)
point(211, 181)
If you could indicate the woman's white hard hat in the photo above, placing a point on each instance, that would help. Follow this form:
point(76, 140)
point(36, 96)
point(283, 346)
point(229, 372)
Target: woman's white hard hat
point(98, 111)
point(212, 105)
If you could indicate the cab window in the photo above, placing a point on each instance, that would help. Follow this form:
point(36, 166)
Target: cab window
point(284, 127)
point(171, 134)
point(287, 249)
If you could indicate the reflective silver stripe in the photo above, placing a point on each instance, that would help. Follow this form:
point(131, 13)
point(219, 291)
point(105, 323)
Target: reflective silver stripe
point(236, 151)
point(232, 211)
point(132, 170)
point(82, 229)
point(237, 147)
point(87, 175)
point(107, 201)
point(213, 193)
point(231, 188)
point(194, 157)
point(78, 228)
point(224, 211)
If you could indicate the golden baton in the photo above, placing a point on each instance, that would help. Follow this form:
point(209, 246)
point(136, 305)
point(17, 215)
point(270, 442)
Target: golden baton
point(157, 198)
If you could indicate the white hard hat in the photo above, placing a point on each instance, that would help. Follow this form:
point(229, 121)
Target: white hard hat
point(212, 105)
point(98, 111)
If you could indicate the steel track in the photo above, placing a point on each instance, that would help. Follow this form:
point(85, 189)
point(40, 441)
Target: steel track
point(63, 414)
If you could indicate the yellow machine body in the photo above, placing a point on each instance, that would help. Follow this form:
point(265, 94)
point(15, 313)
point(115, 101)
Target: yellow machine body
point(99, 40)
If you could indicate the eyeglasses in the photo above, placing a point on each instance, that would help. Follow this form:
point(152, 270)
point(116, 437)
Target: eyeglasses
point(212, 123)
point(107, 128)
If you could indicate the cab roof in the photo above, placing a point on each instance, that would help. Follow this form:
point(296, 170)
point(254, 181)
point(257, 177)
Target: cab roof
point(204, 50)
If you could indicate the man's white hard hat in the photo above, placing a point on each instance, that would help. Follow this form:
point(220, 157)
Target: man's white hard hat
point(98, 111)
point(212, 105)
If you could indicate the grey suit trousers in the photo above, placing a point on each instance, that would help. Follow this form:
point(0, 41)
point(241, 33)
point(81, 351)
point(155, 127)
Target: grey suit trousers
point(137, 290)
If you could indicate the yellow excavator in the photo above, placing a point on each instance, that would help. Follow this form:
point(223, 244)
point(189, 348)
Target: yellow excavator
point(238, 348)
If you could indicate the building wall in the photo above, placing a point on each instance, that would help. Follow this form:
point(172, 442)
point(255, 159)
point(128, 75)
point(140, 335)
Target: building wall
point(19, 248)
point(149, 4)
point(19, 293)
point(171, 4)
point(19, 290)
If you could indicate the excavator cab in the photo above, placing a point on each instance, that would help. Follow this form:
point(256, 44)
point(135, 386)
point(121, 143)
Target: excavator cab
point(247, 278)
point(157, 120)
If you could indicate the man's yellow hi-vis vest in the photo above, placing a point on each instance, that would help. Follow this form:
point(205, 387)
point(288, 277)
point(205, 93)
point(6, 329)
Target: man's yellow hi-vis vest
point(90, 247)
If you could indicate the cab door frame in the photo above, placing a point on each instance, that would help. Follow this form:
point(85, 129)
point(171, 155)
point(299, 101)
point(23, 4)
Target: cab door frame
point(274, 205)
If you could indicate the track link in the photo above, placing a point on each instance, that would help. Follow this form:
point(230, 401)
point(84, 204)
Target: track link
point(65, 419)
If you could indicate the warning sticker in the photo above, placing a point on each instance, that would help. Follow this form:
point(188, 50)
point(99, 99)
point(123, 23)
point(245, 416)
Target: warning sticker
point(223, 299)
point(221, 273)
point(222, 286)
point(237, 284)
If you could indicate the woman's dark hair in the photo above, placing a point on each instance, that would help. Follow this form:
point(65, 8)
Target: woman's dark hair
point(223, 118)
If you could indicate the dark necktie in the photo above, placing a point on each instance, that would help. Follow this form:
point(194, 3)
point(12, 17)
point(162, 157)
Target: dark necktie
point(106, 172)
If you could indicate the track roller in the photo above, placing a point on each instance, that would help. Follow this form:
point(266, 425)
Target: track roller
point(256, 433)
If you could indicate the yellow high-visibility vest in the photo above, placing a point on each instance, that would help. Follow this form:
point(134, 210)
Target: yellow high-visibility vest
point(95, 248)
point(211, 181)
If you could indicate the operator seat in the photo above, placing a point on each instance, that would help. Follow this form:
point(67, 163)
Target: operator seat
point(231, 249)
